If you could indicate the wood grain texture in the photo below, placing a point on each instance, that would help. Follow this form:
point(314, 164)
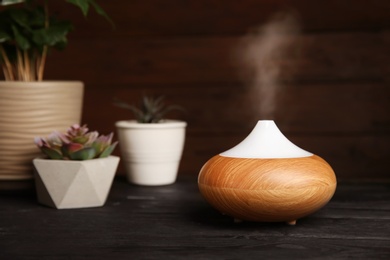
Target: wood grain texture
point(330, 58)
point(210, 17)
point(336, 103)
point(269, 190)
point(175, 222)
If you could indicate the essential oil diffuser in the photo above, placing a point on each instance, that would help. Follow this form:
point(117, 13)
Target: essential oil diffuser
point(267, 178)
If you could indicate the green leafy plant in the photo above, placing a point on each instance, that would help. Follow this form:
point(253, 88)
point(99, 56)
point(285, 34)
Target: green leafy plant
point(76, 144)
point(151, 109)
point(27, 32)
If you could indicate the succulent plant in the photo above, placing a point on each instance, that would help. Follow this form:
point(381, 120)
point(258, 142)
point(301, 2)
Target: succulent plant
point(151, 109)
point(76, 144)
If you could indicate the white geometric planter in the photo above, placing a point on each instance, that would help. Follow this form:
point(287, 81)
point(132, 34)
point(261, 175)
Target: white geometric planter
point(65, 184)
point(151, 152)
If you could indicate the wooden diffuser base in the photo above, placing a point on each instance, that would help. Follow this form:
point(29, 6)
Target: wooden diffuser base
point(267, 190)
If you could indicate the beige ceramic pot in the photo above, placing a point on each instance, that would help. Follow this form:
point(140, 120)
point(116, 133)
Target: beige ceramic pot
point(267, 178)
point(30, 109)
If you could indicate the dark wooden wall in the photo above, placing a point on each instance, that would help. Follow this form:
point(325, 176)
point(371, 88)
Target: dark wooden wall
point(336, 105)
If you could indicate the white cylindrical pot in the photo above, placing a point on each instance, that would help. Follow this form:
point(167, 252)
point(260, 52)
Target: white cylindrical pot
point(151, 153)
point(30, 109)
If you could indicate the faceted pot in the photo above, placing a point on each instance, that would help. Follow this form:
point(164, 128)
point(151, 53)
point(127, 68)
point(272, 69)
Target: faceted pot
point(65, 184)
point(151, 153)
point(267, 178)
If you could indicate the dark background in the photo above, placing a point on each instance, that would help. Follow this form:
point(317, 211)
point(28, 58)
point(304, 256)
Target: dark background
point(336, 105)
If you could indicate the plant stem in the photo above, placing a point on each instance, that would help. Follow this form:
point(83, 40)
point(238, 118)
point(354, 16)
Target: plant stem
point(8, 66)
point(33, 68)
point(20, 65)
point(5, 72)
point(41, 66)
point(27, 68)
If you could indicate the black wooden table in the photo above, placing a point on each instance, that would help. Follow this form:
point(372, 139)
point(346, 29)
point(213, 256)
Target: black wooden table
point(174, 222)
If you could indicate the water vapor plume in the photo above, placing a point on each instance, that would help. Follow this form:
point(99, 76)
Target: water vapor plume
point(261, 54)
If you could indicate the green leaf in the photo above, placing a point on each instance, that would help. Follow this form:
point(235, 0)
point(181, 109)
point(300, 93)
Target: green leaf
point(101, 12)
point(83, 154)
point(82, 139)
point(21, 17)
point(21, 41)
point(37, 18)
point(82, 4)
point(4, 37)
point(51, 153)
point(10, 2)
point(108, 150)
point(84, 7)
point(55, 35)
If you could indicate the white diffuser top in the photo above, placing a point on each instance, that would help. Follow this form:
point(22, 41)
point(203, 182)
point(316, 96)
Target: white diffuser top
point(266, 141)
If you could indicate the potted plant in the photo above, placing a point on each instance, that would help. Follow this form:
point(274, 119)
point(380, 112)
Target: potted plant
point(151, 146)
point(29, 106)
point(77, 171)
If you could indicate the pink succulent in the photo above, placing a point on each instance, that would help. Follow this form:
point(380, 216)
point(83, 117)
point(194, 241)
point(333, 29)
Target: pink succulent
point(76, 144)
